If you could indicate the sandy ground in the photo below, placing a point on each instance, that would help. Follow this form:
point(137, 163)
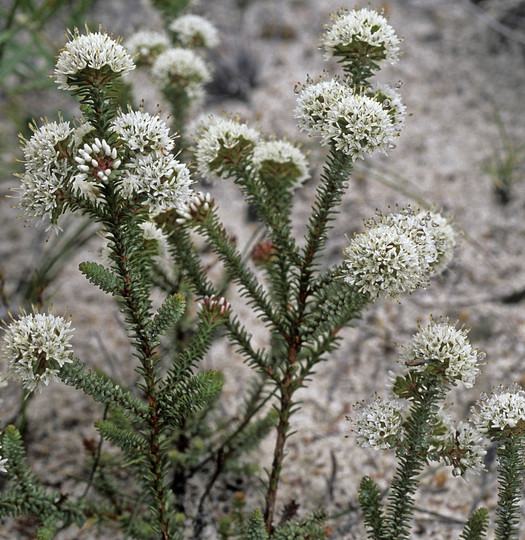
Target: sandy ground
point(454, 73)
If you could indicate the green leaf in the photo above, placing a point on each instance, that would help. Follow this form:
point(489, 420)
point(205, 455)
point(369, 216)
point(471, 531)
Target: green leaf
point(101, 277)
point(254, 528)
point(476, 526)
point(168, 314)
point(102, 389)
point(370, 502)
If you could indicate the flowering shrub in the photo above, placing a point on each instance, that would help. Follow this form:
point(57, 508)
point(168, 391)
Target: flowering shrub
point(120, 169)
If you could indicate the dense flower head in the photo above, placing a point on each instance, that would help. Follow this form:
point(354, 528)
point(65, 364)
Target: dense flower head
point(221, 143)
point(194, 31)
point(465, 451)
point(81, 132)
point(354, 123)
point(92, 57)
point(147, 45)
point(442, 348)
point(96, 161)
point(47, 145)
point(315, 101)
point(215, 308)
point(196, 208)
point(379, 424)
point(391, 101)
point(444, 236)
point(398, 252)
point(181, 69)
point(362, 34)
point(143, 132)
point(502, 412)
point(280, 161)
point(41, 193)
point(46, 172)
point(391, 256)
point(161, 180)
point(357, 125)
point(35, 347)
point(154, 234)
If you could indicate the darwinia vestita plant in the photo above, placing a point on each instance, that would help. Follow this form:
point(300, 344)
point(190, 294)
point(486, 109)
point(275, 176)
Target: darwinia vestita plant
point(118, 166)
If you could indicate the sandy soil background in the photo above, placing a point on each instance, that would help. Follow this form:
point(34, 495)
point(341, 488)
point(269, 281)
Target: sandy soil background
point(456, 70)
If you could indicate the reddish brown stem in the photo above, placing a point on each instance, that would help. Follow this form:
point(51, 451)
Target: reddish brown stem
point(287, 390)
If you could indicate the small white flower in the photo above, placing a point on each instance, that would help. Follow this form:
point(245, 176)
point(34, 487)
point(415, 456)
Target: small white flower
point(47, 171)
point(95, 164)
point(198, 204)
point(222, 142)
point(181, 69)
point(394, 254)
point(80, 132)
point(47, 145)
point(35, 347)
point(87, 56)
point(154, 233)
point(193, 31)
point(280, 161)
point(143, 132)
point(379, 424)
point(354, 123)
point(148, 44)
point(442, 347)
point(162, 181)
point(357, 125)
point(390, 101)
point(501, 411)
point(468, 451)
point(314, 103)
point(361, 34)
point(42, 192)
point(444, 237)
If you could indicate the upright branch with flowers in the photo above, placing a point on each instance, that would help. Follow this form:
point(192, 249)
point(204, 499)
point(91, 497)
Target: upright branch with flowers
point(119, 168)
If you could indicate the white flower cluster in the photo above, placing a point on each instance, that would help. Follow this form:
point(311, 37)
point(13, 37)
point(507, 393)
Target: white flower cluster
point(444, 237)
point(95, 163)
point(198, 203)
point(34, 347)
point(153, 233)
point(397, 253)
point(43, 149)
point(221, 141)
point(150, 170)
point(162, 180)
point(441, 345)
point(502, 410)
point(216, 304)
point(467, 456)
point(97, 160)
point(143, 132)
point(46, 173)
point(379, 424)
point(147, 45)
point(353, 122)
point(64, 164)
point(94, 52)
point(362, 32)
point(280, 160)
point(181, 68)
point(194, 31)
point(390, 101)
